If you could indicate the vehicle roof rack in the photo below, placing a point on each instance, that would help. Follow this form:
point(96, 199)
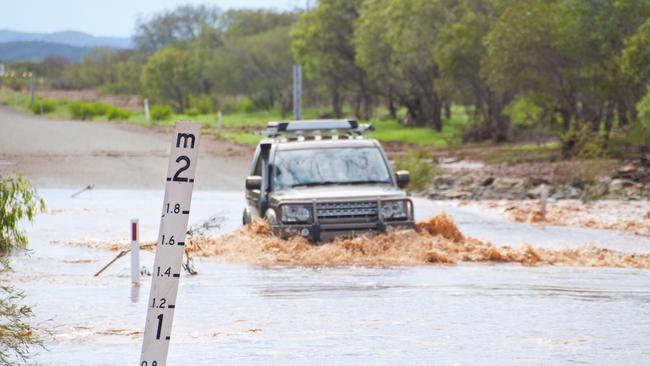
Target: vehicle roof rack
point(321, 126)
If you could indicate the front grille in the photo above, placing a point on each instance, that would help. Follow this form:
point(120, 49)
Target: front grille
point(357, 211)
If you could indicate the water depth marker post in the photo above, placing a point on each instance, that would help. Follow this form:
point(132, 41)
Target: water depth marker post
point(135, 252)
point(171, 244)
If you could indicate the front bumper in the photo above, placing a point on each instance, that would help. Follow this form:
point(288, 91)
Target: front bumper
point(326, 232)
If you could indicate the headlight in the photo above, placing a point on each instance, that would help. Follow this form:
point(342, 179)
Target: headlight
point(394, 210)
point(295, 213)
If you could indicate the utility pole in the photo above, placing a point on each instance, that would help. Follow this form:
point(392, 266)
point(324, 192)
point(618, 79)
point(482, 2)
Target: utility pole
point(297, 92)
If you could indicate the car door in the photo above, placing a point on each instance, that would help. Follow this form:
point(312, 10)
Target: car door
point(253, 195)
point(257, 198)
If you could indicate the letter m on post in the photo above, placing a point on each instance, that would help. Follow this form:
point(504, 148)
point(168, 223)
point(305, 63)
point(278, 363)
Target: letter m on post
point(185, 138)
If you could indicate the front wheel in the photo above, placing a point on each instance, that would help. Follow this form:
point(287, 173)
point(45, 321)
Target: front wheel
point(246, 217)
point(270, 217)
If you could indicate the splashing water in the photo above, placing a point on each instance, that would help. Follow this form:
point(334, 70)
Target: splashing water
point(435, 241)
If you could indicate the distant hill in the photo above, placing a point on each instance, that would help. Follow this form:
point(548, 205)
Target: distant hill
point(37, 51)
point(70, 38)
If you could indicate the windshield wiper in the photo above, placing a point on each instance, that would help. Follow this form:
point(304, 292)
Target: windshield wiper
point(325, 183)
point(367, 182)
point(312, 184)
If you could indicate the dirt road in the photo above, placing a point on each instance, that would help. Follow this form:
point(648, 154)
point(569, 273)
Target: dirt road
point(72, 154)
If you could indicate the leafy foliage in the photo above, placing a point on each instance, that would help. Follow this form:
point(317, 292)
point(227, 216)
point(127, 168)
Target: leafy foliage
point(395, 42)
point(420, 168)
point(117, 114)
point(323, 43)
point(160, 113)
point(184, 23)
point(17, 335)
point(169, 77)
point(42, 106)
point(18, 200)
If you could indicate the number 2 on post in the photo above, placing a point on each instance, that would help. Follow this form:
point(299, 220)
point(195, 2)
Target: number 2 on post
point(178, 178)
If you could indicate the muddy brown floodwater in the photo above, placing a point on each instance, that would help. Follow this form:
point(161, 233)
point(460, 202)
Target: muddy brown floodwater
point(432, 296)
point(436, 240)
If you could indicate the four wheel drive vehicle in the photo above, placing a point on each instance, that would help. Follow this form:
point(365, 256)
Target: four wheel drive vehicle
point(322, 179)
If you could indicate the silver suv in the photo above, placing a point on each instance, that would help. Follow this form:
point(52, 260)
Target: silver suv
point(322, 179)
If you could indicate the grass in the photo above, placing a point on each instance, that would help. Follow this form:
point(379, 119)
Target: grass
point(239, 126)
point(523, 153)
point(392, 130)
point(15, 100)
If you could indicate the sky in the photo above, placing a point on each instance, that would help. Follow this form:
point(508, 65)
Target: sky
point(106, 17)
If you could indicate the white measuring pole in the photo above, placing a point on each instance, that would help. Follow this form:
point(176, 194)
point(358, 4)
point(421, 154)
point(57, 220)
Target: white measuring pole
point(297, 92)
point(146, 109)
point(171, 243)
point(135, 252)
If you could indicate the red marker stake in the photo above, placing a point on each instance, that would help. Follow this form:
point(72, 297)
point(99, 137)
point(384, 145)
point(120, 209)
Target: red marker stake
point(135, 253)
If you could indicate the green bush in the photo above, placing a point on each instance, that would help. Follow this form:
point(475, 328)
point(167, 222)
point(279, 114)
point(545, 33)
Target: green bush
point(81, 110)
point(245, 105)
point(581, 142)
point(192, 112)
point(161, 113)
point(203, 103)
point(523, 111)
point(239, 105)
point(88, 110)
point(43, 106)
point(100, 109)
point(117, 114)
point(419, 166)
point(629, 141)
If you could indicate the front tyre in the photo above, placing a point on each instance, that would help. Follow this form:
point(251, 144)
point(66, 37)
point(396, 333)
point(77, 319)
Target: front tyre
point(246, 217)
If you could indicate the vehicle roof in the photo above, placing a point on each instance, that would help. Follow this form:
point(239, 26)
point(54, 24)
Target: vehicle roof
point(293, 144)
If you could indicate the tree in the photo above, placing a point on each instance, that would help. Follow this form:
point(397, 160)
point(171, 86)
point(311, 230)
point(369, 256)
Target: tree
point(96, 69)
point(566, 54)
point(170, 76)
point(395, 45)
point(258, 66)
point(636, 56)
point(459, 51)
point(18, 200)
point(248, 22)
point(128, 68)
point(184, 23)
point(322, 43)
point(635, 63)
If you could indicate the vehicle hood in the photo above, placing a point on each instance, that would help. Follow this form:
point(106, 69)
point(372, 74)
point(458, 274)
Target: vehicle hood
point(338, 192)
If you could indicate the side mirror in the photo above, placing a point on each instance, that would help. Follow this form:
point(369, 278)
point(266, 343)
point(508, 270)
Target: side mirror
point(403, 178)
point(253, 182)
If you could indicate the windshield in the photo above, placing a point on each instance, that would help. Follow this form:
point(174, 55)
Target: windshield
point(310, 167)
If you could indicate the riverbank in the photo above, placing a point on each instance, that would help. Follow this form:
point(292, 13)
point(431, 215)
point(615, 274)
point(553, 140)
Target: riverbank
point(585, 180)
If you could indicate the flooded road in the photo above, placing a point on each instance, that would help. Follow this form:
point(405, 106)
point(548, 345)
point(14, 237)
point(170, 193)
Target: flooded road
point(243, 314)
